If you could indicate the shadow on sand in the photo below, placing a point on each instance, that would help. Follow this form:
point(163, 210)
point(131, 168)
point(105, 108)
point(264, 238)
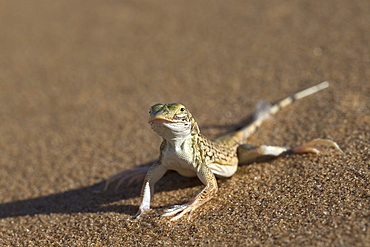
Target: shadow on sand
point(91, 198)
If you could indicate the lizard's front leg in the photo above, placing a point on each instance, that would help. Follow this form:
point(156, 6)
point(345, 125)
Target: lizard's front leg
point(207, 178)
point(155, 172)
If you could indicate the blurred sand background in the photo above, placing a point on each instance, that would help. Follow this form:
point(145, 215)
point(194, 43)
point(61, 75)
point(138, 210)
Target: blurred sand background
point(77, 79)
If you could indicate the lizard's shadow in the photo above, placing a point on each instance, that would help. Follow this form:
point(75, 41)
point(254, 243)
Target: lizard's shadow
point(91, 199)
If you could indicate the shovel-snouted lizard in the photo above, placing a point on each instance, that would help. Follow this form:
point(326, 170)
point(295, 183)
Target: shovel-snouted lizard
point(189, 153)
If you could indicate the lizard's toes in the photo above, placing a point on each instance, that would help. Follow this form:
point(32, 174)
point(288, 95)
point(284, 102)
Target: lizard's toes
point(315, 147)
point(174, 210)
point(180, 210)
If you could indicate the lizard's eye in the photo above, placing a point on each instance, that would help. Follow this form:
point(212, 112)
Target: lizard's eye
point(182, 109)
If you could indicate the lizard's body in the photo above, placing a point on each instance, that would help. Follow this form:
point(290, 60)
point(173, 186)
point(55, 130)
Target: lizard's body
point(186, 151)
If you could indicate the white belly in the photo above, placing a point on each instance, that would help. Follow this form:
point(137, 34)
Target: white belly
point(180, 160)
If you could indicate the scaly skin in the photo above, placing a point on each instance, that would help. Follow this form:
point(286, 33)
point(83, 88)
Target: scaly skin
point(186, 151)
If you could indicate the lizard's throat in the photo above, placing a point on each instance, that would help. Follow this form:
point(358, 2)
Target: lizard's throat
point(175, 131)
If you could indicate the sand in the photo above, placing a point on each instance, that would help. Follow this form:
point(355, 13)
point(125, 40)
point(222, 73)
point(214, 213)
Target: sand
point(77, 79)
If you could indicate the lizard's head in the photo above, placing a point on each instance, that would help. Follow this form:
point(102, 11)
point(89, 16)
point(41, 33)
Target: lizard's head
point(172, 120)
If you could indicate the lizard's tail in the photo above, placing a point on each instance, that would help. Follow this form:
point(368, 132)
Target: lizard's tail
point(265, 110)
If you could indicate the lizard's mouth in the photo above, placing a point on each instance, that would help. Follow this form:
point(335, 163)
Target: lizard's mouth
point(163, 118)
point(160, 119)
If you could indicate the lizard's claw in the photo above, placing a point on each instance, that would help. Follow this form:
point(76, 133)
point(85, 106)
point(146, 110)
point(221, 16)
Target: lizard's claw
point(129, 177)
point(313, 147)
point(181, 210)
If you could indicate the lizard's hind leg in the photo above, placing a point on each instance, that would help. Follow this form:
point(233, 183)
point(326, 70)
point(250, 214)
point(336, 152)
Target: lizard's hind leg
point(129, 177)
point(248, 153)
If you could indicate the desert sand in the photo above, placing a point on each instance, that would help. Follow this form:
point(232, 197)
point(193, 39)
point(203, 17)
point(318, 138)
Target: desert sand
point(77, 79)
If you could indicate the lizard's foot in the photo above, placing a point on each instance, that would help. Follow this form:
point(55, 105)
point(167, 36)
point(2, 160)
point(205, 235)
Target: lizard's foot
point(181, 210)
point(315, 147)
point(129, 177)
point(205, 195)
point(140, 213)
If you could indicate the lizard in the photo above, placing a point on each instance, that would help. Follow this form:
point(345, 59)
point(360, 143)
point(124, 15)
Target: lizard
point(185, 150)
